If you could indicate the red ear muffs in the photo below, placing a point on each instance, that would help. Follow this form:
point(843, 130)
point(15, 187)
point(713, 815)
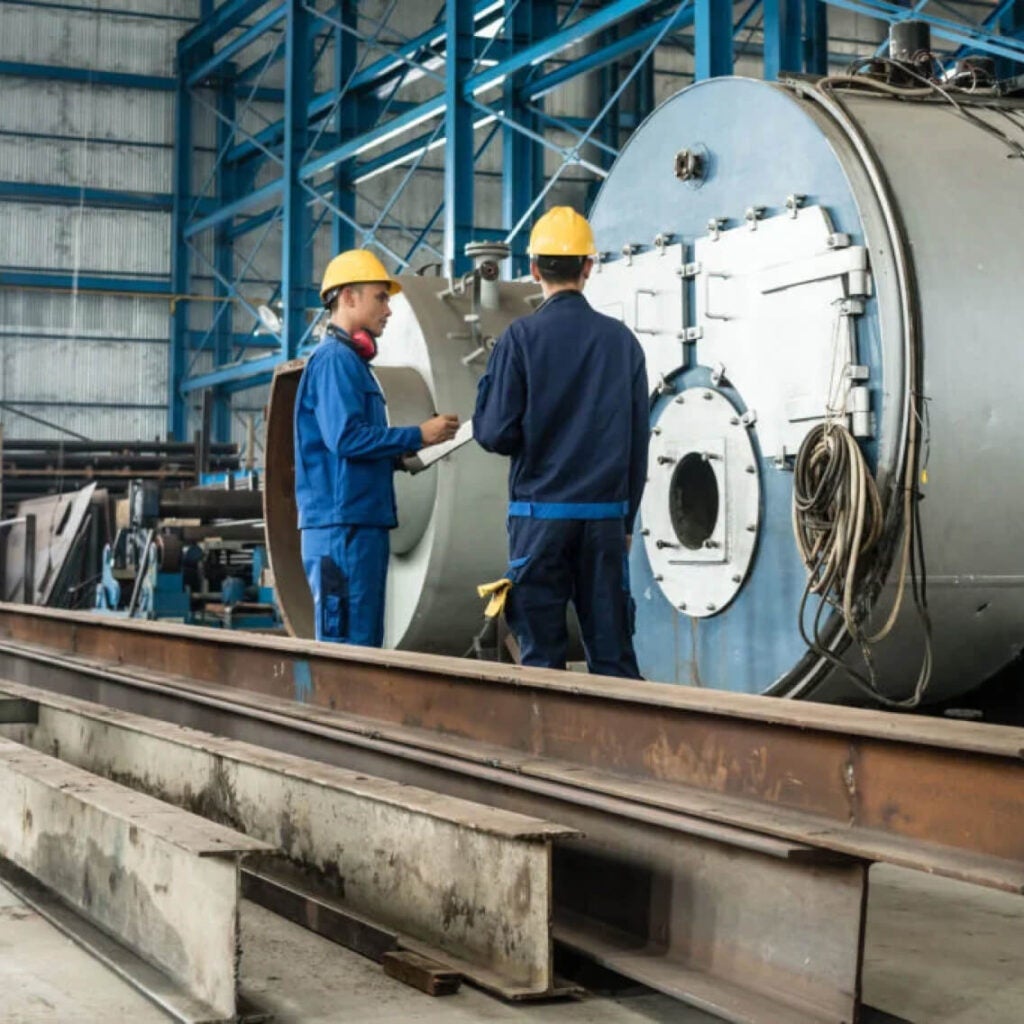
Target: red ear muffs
point(364, 344)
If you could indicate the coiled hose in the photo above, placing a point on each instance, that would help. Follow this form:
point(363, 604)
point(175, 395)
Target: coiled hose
point(837, 520)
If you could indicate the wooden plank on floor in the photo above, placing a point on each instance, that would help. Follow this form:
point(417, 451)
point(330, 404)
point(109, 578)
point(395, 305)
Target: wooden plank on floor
point(420, 972)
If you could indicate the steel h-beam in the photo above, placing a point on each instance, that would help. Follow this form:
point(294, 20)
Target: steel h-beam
point(782, 28)
point(1010, 22)
point(458, 116)
point(712, 34)
point(815, 37)
point(225, 259)
point(296, 261)
point(522, 160)
point(345, 55)
point(181, 278)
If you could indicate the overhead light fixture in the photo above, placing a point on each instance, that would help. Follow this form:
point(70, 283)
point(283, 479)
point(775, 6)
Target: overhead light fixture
point(269, 319)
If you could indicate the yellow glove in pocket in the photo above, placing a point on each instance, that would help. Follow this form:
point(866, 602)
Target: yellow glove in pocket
point(498, 590)
point(498, 594)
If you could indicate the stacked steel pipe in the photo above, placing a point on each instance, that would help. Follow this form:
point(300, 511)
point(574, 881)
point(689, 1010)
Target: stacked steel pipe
point(32, 468)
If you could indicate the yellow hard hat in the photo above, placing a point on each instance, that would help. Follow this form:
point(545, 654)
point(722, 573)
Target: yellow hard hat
point(357, 266)
point(562, 232)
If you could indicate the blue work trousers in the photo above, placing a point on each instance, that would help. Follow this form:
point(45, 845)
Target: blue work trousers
point(554, 561)
point(347, 569)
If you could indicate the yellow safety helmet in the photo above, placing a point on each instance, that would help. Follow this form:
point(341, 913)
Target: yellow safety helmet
point(357, 266)
point(562, 232)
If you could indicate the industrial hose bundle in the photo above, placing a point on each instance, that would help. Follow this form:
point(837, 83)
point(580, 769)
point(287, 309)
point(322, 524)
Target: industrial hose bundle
point(837, 513)
point(837, 520)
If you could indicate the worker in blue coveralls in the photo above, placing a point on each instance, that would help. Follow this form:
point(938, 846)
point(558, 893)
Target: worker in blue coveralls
point(346, 455)
point(565, 395)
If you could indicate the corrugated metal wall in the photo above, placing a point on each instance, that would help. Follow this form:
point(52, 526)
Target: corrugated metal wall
point(95, 364)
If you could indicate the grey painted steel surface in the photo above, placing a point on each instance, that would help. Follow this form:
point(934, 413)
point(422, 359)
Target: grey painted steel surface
point(452, 532)
point(955, 201)
point(132, 865)
point(935, 202)
point(959, 204)
point(466, 882)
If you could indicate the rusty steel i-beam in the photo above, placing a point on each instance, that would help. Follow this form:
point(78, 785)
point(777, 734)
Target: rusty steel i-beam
point(733, 832)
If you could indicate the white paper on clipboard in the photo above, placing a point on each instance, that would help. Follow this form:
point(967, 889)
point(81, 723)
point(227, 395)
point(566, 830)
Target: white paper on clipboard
point(426, 457)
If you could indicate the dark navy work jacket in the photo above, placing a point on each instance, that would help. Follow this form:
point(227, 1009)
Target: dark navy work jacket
point(345, 451)
point(565, 394)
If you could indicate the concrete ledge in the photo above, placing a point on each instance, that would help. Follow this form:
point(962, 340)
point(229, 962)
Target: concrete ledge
point(453, 878)
point(132, 865)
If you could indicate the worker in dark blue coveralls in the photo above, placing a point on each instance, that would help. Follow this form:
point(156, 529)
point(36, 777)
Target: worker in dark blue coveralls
point(346, 455)
point(565, 395)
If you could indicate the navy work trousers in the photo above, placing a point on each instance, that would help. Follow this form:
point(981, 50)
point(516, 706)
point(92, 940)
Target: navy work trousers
point(554, 561)
point(347, 569)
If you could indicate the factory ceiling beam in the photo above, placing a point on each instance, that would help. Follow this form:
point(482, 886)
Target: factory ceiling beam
point(209, 66)
point(976, 37)
point(498, 73)
point(87, 76)
point(372, 80)
point(71, 195)
point(141, 287)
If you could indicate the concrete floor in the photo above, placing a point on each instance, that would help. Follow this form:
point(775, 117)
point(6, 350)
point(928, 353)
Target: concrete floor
point(938, 952)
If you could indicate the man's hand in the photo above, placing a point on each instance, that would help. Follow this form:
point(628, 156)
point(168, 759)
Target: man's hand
point(629, 543)
point(439, 429)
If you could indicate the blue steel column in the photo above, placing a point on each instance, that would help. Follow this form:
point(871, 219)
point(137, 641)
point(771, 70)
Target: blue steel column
point(342, 233)
point(296, 252)
point(522, 159)
point(643, 91)
point(815, 37)
point(181, 283)
point(1011, 23)
point(712, 38)
point(782, 30)
point(458, 117)
point(611, 128)
point(224, 253)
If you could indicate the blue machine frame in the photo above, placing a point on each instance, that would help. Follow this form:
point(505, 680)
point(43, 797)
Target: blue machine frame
point(304, 169)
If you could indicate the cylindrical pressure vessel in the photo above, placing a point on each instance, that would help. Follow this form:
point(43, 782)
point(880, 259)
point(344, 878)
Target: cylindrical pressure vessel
point(797, 254)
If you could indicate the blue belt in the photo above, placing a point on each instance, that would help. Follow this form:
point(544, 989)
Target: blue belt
point(569, 509)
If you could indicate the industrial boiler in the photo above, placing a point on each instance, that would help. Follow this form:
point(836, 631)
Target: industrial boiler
point(821, 273)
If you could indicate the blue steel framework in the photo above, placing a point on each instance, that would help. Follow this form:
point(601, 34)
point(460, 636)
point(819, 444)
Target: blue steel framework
point(492, 62)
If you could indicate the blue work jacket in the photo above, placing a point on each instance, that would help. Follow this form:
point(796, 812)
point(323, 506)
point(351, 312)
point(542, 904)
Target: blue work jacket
point(345, 452)
point(565, 395)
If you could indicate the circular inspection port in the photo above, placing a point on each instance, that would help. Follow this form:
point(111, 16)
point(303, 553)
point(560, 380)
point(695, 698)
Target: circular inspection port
point(693, 500)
